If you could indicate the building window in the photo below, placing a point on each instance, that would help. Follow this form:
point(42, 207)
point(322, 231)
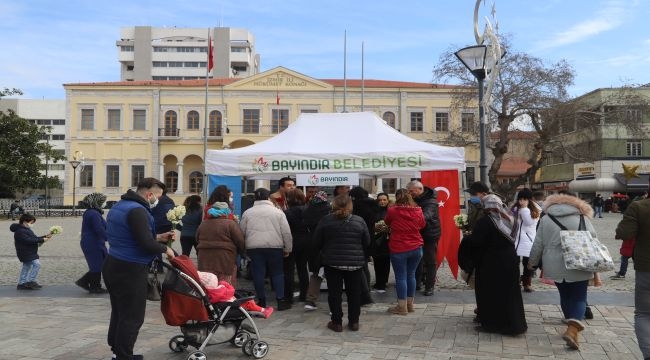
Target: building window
point(86, 176)
point(389, 118)
point(58, 122)
point(113, 119)
point(112, 175)
point(215, 123)
point(139, 119)
point(87, 119)
point(58, 137)
point(417, 121)
point(251, 121)
point(389, 186)
point(193, 120)
point(137, 174)
point(43, 122)
point(171, 123)
point(442, 121)
point(633, 148)
point(196, 182)
point(171, 181)
point(309, 111)
point(633, 115)
point(127, 48)
point(279, 120)
point(467, 122)
point(470, 175)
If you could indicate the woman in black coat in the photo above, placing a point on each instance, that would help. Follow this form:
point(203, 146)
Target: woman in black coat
point(297, 259)
point(343, 240)
point(317, 208)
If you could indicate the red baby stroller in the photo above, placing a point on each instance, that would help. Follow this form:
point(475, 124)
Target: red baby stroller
point(184, 303)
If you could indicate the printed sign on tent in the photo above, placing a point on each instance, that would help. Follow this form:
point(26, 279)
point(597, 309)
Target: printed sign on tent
point(329, 179)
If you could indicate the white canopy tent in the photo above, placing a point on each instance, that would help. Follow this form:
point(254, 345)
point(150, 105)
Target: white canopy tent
point(336, 143)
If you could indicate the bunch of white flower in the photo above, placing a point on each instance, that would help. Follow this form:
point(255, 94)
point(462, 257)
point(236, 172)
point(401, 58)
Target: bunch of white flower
point(460, 220)
point(56, 229)
point(175, 214)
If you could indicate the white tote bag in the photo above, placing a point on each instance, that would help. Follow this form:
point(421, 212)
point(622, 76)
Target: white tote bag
point(582, 251)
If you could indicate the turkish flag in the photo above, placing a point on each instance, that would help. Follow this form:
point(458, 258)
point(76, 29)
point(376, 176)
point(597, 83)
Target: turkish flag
point(445, 182)
point(210, 54)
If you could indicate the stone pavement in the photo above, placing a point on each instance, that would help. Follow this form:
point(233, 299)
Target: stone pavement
point(62, 322)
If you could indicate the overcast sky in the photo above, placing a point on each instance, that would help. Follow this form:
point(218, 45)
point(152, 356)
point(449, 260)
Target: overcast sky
point(45, 44)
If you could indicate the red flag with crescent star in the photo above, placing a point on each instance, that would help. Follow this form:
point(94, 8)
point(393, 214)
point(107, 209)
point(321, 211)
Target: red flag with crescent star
point(445, 182)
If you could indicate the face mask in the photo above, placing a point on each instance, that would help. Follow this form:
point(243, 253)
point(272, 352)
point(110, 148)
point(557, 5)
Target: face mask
point(153, 204)
point(103, 205)
point(29, 225)
point(474, 200)
point(230, 199)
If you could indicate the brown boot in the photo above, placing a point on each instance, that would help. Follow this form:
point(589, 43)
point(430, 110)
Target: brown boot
point(527, 282)
point(399, 309)
point(571, 334)
point(409, 304)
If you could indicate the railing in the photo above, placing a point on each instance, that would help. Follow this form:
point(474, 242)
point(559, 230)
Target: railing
point(255, 129)
point(215, 132)
point(169, 132)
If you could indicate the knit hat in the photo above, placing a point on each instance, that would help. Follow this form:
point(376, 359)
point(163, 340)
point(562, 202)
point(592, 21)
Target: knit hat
point(319, 198)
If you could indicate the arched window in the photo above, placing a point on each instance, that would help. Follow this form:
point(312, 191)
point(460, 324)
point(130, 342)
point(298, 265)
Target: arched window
point(215, 123)
point(389, 117)
point(196, 182)
point(171, 123)
point(171, 181)
point(193, 120)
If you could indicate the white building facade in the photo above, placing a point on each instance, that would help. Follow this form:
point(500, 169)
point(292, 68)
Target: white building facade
point(152, 53)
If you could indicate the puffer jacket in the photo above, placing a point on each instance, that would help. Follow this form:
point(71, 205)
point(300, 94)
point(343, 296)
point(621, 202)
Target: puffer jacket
point(548, 247)
point(265, 226)
point(526, 232)
point(342, 242)
point(635, 224)
point(427, 201)
point(299, 232)
point(26, 242)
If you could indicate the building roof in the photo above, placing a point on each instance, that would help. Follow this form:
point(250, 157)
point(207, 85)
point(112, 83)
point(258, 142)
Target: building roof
point(513, 166)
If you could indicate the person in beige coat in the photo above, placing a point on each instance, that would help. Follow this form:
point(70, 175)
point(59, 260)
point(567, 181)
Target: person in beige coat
point(268, 239)
point(219, 240)
point(547, 249)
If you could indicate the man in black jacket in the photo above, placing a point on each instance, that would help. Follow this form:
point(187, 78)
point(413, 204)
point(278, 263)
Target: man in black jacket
point(426, 199)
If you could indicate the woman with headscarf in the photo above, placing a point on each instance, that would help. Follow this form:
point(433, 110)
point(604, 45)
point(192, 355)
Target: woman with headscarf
point(93, 243)
point(493, 253)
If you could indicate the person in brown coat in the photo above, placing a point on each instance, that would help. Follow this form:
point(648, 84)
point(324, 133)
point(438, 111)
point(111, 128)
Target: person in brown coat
point(219, 240)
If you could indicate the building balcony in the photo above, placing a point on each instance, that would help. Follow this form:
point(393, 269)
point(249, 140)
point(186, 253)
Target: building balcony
point(215, 132)
point(169, 133)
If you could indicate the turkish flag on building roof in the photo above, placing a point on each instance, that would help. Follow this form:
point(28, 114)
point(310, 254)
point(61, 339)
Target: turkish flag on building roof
point(210, 54)
point(445, 182)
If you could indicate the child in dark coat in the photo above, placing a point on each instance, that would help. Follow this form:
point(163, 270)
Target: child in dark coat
point(27, 244)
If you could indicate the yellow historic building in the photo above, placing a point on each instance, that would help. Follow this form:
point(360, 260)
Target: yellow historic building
point(124, 131)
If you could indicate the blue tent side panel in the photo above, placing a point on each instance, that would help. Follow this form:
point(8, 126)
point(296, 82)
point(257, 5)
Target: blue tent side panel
point(233, 183)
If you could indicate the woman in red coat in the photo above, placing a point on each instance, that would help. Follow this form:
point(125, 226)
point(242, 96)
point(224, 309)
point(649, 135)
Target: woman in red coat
point(405, 220)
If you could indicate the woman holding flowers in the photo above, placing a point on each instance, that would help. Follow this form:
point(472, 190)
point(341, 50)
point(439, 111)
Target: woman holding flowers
point(219, 240)
point(405, 220)
point(93, 243)
point(190, 222)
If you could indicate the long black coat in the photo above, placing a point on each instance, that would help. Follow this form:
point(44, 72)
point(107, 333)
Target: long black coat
point(498, 296)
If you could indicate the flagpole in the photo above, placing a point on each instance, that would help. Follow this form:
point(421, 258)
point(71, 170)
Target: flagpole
point(362, 87)
point(345, 78)
point(205, 120)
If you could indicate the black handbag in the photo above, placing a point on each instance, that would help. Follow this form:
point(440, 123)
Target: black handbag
point(153, 284)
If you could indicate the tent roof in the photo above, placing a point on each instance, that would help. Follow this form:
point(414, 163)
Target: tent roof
point(337, 138)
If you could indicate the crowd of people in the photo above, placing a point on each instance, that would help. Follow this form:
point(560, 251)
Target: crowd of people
point(335, 238)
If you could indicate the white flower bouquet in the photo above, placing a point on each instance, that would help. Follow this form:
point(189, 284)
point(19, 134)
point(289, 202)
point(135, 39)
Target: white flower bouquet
point(381, 227)
point(460, 220)
point(56, 229)
point(175, 214)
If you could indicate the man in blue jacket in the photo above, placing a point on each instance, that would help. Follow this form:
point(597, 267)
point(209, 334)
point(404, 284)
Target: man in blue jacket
point(133, 245)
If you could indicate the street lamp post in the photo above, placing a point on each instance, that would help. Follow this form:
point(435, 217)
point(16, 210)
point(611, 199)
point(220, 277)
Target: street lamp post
point(47, 165)
point(479, 60)
point(74, 164)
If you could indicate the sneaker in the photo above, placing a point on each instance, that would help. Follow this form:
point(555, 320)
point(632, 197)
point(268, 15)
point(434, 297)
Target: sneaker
point(617, 276)
point(267, 312)
point(34, 285)
point(310, 306)
point(23, 287)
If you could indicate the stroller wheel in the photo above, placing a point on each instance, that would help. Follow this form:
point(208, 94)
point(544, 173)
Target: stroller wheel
point(240, 338)
point(197, 355)
point(177, 344)
point(247, 349)
point(260, 349)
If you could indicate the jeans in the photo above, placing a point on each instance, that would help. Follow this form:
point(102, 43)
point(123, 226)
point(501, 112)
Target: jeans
point(573, 298)
point(598, 210)
point(404, 266)
point(623, 269)
point(127, 286)
point(642, 311)
point(29, 272)
point(352, 279)
point(260, 259)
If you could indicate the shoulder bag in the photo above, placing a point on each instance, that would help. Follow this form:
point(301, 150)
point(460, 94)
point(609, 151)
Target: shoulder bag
point(581, 251)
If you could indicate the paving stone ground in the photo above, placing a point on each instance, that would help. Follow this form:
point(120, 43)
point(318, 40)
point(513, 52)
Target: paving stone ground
point(62, 322)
